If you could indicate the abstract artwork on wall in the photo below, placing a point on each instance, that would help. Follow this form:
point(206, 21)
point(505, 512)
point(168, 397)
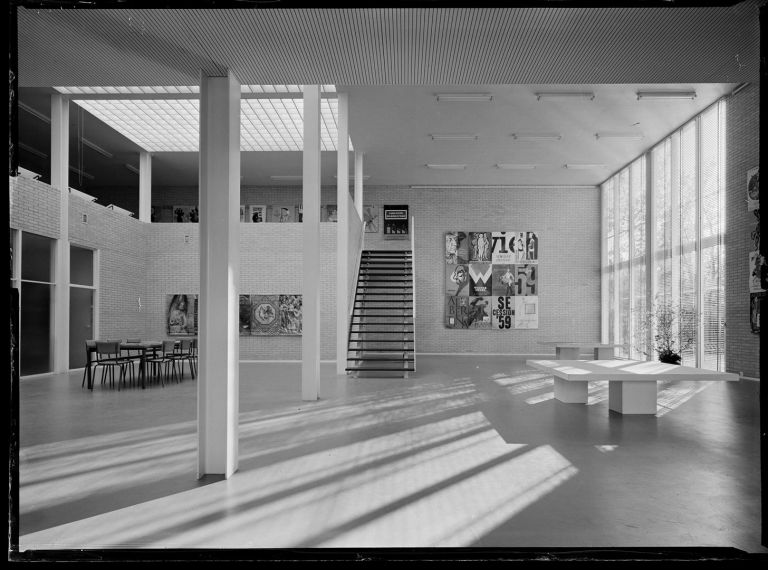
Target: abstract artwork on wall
point(181, 315)
point(753, 188)
point(371, 219)
point(497, 273)
point(757, 272)
point(290, 314)
point(754, 311)
point(280, 214)
point(265, 310)
point(257, 213)
point(245, 315)
point(186, 214)
point(271, 315)
point(329, 213)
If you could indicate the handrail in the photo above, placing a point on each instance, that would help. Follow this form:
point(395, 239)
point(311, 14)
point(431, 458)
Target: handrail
point(413, 286)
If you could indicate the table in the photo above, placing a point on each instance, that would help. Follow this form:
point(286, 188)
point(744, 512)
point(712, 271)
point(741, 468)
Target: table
point(569, 350)
point(631, 383)
point(144, 347)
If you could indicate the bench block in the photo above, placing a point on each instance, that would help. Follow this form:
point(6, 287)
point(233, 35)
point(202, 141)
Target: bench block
point(570, 392)
point(567, 353)
point(632, 397)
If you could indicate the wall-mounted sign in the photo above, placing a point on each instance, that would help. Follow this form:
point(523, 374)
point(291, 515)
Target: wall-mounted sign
point(396, 222)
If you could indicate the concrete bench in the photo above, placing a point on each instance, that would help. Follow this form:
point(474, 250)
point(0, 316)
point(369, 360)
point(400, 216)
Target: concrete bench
point(568, 350)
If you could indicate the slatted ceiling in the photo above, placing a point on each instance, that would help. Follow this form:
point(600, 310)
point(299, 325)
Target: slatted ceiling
point(459, 46)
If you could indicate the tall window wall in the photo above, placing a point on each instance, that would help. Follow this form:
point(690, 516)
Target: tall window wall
point(663, 228)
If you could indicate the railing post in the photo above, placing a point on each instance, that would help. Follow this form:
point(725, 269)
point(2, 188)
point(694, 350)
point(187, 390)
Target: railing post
point(413, 286)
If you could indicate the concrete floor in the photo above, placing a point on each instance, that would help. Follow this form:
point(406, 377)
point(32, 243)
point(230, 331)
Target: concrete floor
point(468, 452)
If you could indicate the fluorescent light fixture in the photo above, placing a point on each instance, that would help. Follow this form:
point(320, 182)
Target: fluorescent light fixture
point(82, 195)
point(454, 137)
point(132, 168)
point(565, 95)
point(32, 150)
point(537, 136)
point(287, 177)
point(509, 166)
point(620, 136)
point(34, 113)
point(666, 95)
point(446, 166)
point(464, 96)
point(119, 209)
point(81, 173)
point(97, 148)
point(583, 166)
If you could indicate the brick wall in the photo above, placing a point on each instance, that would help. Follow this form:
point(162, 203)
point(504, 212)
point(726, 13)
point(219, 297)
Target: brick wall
point(34, 207)
point(742, 348)
point(567, 221)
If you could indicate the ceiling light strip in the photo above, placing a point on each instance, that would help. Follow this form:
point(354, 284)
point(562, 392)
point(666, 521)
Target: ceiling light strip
point(620, 136)
point(509, 166)
point(537, 136)
point(583, 166)
point(586, 95)
point(446, 166)
point(666, 95)
point(500, 186)
point(473, 97)
point(454, 137)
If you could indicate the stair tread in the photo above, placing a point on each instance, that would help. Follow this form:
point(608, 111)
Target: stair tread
point(372, 369)
point(393, 350)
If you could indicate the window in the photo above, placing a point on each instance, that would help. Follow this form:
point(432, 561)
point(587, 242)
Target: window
point(670, 225)
point(36, 305)
point(82, 302)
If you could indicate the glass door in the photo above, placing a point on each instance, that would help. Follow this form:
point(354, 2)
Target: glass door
point(82, 297)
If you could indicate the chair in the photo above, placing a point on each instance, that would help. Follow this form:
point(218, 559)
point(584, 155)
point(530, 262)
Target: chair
point(160, 363)
point(184, 353)
point(134, 358)
point(108, 357)
point(89, 346)
point(193, 357)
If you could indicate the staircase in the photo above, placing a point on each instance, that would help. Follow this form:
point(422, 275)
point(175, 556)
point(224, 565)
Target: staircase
point(381, 331)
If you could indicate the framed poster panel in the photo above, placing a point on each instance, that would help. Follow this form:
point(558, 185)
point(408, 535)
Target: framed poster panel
point(244, 217)
point(753, 188)
point(479, 313)
point(480, 279)
point(456, 312)
point(280, 214)
point(757, 271)
point(265, 311)
point(502, 247)
point(479, 246)
point(257, 213)
point(457, 280)
point(503, 280)
point(290, 314)
point(456, 248)
point(181, 315)
point(502, 312)
point(754, 311)
point(371, 219)
point(396, 222)
point(186, 214)
point(526, 312)
point(245, 315)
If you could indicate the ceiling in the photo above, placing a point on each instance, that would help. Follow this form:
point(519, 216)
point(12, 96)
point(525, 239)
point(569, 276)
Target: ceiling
point(391, 62)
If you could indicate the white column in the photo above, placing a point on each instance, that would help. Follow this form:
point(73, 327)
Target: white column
point(342, 235)
point(310, 340)
point(359, 183)
point(60, 180)
point(219, 343)
point(145, 186)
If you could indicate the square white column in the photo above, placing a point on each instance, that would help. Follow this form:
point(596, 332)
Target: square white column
point(219, 341)
point(359, 183)
point(60, 180)
point(145, 186)
point(342, 234)
point(310, 339)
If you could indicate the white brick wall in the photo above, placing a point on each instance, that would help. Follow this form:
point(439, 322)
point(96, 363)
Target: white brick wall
point(34, 207)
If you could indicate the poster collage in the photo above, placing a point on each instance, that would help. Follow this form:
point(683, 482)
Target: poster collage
point(758, 268)
point(491, 280)
point(264, 315)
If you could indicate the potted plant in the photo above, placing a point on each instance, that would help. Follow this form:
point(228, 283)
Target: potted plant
point(666, 330)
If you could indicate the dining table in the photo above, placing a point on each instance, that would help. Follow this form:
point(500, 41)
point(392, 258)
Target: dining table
point(145, 347)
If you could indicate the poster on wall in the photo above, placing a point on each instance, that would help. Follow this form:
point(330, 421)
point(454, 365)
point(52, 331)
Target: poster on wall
point(245, 315)
point(526, 312)
point(181, 315)
point(244, 217)
point(480, 279)
point(165, 214)
point(503, 283)
point(456, 248)
point(186, 214)
point(753, 188)
point(479, 246)
point(264, 315)
point(329, 213)
point(371, 219)
point(754, 311)
point(502, 312)
point(757, 272)
point(280, 214)
point(456, 312)
point(396, 222)
point(257, 213)
point(457, 280)
point(290, 314)
point(525, 279)
point(299, 213)
point(479, 313)
point(531, 247)
point(502, 247)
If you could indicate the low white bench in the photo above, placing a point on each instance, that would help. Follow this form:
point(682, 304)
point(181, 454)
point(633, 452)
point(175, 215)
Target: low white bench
point(631, 383)
point(568, 350)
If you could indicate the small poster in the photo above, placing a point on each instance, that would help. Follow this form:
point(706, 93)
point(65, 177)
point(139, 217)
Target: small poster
point(245, 315)
point(265, 310)
point(502, 247)
point(181, 316)
point(531, 247)
point(456, 251)
point(757, 272)
point(526, 312)
point(519, 246)
point(456, 312)
point(371, 219)
point(479, 246)
point(166, 214)
point(502, 312)
point(244, 217)
point(457, 280)
point(479, 313)
point(280, 214)
point(525, 279)
point(480, 279)
point(754, 311)
point(299, 213)
point(186, 214)
point(290, 314)
point(504, 280)
point(753, 189)
point(396, 222)
point(329, 213)
point(258, 214)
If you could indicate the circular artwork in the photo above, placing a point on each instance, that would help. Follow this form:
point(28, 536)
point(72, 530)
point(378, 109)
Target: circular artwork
point(264, 313)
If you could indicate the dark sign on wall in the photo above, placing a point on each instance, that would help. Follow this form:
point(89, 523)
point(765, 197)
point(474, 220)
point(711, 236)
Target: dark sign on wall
point(396, 222)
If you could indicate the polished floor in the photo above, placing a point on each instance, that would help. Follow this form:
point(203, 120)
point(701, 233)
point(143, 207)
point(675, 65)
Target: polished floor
point(468, 452)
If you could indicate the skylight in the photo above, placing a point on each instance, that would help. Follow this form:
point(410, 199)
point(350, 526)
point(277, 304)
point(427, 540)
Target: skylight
point(173, 89)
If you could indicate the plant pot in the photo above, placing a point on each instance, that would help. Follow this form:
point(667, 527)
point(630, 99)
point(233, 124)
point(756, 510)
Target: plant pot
point(670, 358)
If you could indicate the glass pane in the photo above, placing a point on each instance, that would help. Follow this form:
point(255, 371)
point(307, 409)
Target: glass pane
point(37, 257)
point(35, 329)
point(80, 266)
point(13, 254)
point(688, 270)
point(662, 196)
point(80, 324)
